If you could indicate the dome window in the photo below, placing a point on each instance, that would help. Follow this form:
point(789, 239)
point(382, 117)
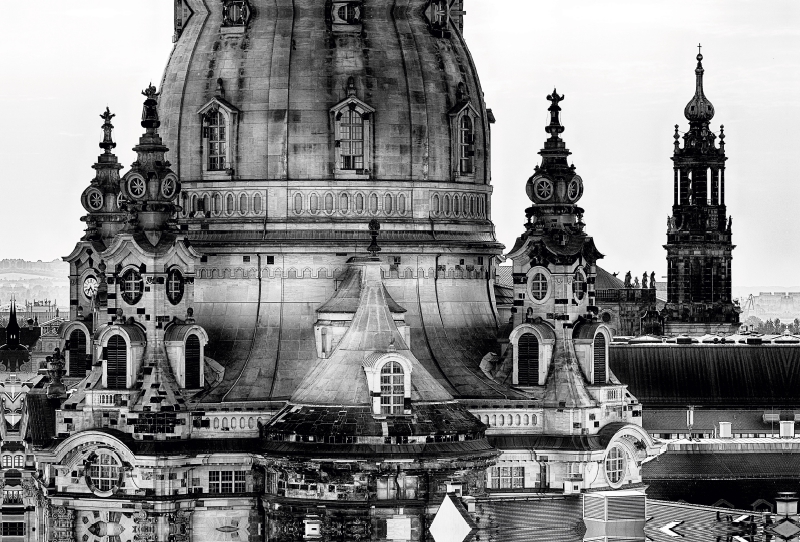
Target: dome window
point(466, 146)
point(235, 13)
point(392, 388)
point(353, 136)
point(438, 15)
point(219, 127)
point(615, 465)
point(217, 141)
point(463, 119)
point(104, 473)
point(346, 16)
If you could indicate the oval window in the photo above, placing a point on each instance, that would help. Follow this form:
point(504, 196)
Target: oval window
point(539, 286)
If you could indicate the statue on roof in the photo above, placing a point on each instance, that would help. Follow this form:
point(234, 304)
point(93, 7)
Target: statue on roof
point(636, 283)
point(628, 279)
point(644, 281)
point(653, 280)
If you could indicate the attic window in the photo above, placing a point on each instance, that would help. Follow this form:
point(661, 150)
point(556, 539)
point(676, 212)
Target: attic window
point(346, 16)
point(392, 388)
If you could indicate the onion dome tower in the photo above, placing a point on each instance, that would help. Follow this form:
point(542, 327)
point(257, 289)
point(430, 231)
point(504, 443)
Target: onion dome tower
point(699, 243)
point(290, 126)
point(369, 424)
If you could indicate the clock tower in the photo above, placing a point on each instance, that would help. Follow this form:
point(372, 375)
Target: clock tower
point(699, 247)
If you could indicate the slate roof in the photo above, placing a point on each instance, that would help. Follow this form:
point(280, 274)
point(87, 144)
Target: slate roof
point(730, 376)
point(716, 466)
point(340, 379)
point(504, 274)
point(40, 418)
point(607, 281)
point(346, 298)
point(706, 420)
point(565, 386)
point(504, 295)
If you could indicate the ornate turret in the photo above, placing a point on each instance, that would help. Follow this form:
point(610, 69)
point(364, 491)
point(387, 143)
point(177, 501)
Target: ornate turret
point(150, 188)
point(554, 187)
point(699, 232)
point(101, 197)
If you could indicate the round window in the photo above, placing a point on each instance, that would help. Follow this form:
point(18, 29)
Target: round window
point(543, 189)
point(94, 198)
point(131, 286)
point(103, 473)
point(615, 465)
point(174, 286)
point(539, 286)
point(579, 285)
point(137, 187)
point(90, 286)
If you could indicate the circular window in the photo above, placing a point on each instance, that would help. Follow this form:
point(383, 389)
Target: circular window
point(615, 465)
point(169, 187)
point(543, 189)
point(579, 285)
point(136, 187)
point(120, 200)
point(94, 199)
point(131, 286)
point(104, 473)
point(606, 317)
point(575, 188)
point(90, 286)
point(174, 286)
point(539, 286)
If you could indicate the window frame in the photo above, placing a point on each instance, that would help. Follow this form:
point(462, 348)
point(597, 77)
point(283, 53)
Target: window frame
point(127, 296)
point(227, 113)
point(506, 477)
point(373, 367)
point(459, 145)
point(347, 108)
point(532, 273)
point(225, 482)
point(175, 297)
point(615, 476)
point(392, 389)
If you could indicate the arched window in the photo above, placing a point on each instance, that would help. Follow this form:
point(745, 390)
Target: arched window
point(435, 204)
point(446, 205)
point(19, 461)
point(387, 204)
point(313, 203)
point(79, 361)
point(579, 285)
point(225, 423)
point(615, 465)
point(217, 209)
point(344, 203)
point(373, 203)
point(350, 13)
point(456, 206)
point(352, 143)
point(216, 423)
point(466, 145)
point(116, 363)
point(233, 423)
point(599, 359)
point(392, 388)
point(329, 203)
point(217, 140)
point(257, 204)
point(229, 204)
point(194, 203)
point(528, 360)
point(193, 362)
point(243, 203)
point(401, 204)
point(6, 461)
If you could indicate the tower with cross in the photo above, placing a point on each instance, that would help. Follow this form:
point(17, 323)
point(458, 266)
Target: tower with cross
point(699, 244)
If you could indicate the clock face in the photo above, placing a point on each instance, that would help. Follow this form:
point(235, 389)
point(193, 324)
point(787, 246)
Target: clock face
point(137, 187)
point(575, 188)
point(543, 188)
point(169, 187)
point(90, 287)
point(94, 198)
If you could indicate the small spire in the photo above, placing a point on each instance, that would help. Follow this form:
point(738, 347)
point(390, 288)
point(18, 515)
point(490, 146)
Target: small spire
point(699, 107)
point(555, 127)
point(220, 92)
point(722, 136)
point(107, 143)
point(374, 228)
point(677, 139)
point(149, 111)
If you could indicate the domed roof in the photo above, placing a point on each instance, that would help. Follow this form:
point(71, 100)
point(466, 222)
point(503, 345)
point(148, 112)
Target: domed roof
point(699, 108)
point(281, 71)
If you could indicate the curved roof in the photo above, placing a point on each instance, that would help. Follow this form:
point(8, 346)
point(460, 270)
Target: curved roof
point(287, 68)
point(586, 330)
point(178, 332)
point(347, 297)
point(607, 281)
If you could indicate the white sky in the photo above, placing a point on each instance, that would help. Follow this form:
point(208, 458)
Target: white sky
point(626, 68)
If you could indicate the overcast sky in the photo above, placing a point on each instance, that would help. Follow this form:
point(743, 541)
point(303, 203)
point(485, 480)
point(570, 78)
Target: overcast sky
point(626, 68)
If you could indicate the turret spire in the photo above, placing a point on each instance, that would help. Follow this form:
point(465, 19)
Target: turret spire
point(699, 108)
point(107, 144)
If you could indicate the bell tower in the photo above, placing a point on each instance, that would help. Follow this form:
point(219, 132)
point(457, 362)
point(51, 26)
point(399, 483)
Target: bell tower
point(699, 248)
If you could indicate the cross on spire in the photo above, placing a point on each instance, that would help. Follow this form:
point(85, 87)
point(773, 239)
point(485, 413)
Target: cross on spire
point(698, 49)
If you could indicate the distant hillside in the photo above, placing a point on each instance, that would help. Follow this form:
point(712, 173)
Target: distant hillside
point(56, 268)
point(34, 282)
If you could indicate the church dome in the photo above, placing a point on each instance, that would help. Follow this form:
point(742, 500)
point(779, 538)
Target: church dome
point(699, 108)
point(285, 79)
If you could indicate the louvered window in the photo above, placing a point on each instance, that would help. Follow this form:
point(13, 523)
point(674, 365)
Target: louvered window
point(599, 359)
point(528, 360)
point(192, 362)
point(79, 361)
point(116, 362)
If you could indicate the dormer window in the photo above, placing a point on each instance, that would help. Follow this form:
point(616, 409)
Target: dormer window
point(599, 359)
point(352, 140)
point(438, 15)
point(466, 143)
point(217, 140)
point(350, 13)
point(219, 128)
point(346, 16)
point(392, 389)
point(353, 136)
point(116, 354)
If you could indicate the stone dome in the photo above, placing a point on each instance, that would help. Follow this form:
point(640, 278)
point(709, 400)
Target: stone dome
point(385, 102)
point(699, 108)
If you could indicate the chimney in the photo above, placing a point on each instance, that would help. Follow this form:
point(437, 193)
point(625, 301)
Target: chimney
point(786, 503)
point(787, 431)
point(724, 429)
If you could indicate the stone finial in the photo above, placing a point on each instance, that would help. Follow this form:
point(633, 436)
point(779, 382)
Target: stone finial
point(107, 143)
point(149, 111)
point(55, 370)
point(374, 228)
point(351, 87)
point(220, 92)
